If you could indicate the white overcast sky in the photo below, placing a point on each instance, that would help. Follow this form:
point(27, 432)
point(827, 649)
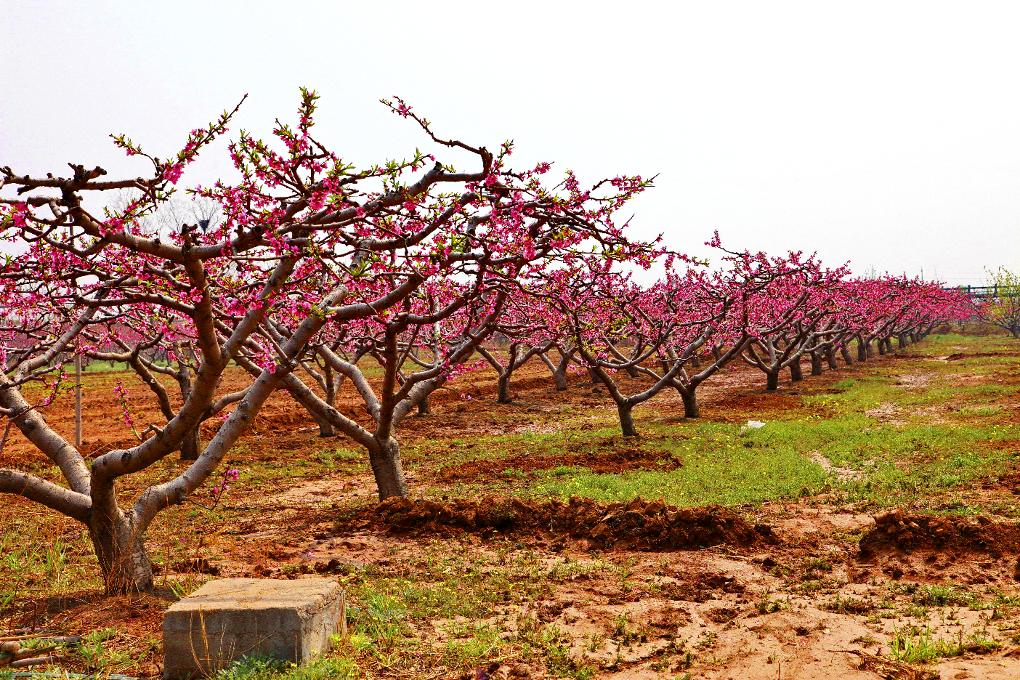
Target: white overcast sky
point(884, 133)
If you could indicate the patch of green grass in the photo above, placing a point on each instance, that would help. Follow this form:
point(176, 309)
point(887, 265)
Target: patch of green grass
point(717, 468)
point(942, 596)
point(258, 668)
point(471, 645)
point(911, 645)
point(848, 605)
point(912, 447)
point(96, 655)
point(721, 465)
point(333, 459)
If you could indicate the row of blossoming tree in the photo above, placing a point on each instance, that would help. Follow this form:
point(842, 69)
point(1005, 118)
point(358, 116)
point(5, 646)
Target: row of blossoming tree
point(317, 269)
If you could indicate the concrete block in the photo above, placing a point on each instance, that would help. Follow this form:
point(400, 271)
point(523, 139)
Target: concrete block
point(227, 619)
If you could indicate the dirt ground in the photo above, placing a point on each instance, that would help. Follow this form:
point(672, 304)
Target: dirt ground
point(489, 581)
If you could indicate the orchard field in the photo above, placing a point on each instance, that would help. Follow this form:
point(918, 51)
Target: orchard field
point(868, 529)
point(529, 440)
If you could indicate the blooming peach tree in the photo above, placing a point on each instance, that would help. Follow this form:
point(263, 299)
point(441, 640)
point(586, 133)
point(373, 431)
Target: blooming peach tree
point(307, 242)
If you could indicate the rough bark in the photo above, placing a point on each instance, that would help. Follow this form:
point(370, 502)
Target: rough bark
point(690, 399)
point(626, 419)
point(325, 427)
point(796, 372)
point(387, 469)
point(503, 385)
point(121, 553)
point(191, 445)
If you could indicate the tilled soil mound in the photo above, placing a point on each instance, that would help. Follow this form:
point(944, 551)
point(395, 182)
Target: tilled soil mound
point(638, 525)
point(899, 532)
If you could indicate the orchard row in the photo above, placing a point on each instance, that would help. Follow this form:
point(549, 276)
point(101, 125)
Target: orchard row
point(310, 269)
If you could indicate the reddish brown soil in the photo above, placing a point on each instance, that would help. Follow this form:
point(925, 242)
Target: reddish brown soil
point(900, 532)
point(638, 525)
point(721, 597)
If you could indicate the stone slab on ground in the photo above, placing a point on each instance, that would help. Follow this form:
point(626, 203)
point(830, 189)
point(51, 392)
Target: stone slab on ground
point(228, 619)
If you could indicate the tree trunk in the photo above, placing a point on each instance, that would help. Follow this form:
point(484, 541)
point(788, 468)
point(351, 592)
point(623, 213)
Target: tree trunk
point(423, 407)
point(796, 373)
point(881, 346)
point(125, 565)
point(191, 445)
point(772, 381)
point(594, 376)
point(816, 363)
point(325, 427)
point(387, 469)
point(504, 388)
point(560, 376)
point(848, 358)
point(901, 341)
point(626, 419)
point(690, 399)
point(830, 358)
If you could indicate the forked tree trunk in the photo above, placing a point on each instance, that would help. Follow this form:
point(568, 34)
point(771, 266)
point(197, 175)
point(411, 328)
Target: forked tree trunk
point(626, 419)
point(830, 358)
point(122, 558)
point(848, 358)
point(772, 380)
point(863, 351)
point(558, 370)
point(796, 373)
point(384, 456)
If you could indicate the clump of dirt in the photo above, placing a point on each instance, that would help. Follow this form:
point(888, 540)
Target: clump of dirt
point(619, 460)
point(637, 525)
point(899, 532)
